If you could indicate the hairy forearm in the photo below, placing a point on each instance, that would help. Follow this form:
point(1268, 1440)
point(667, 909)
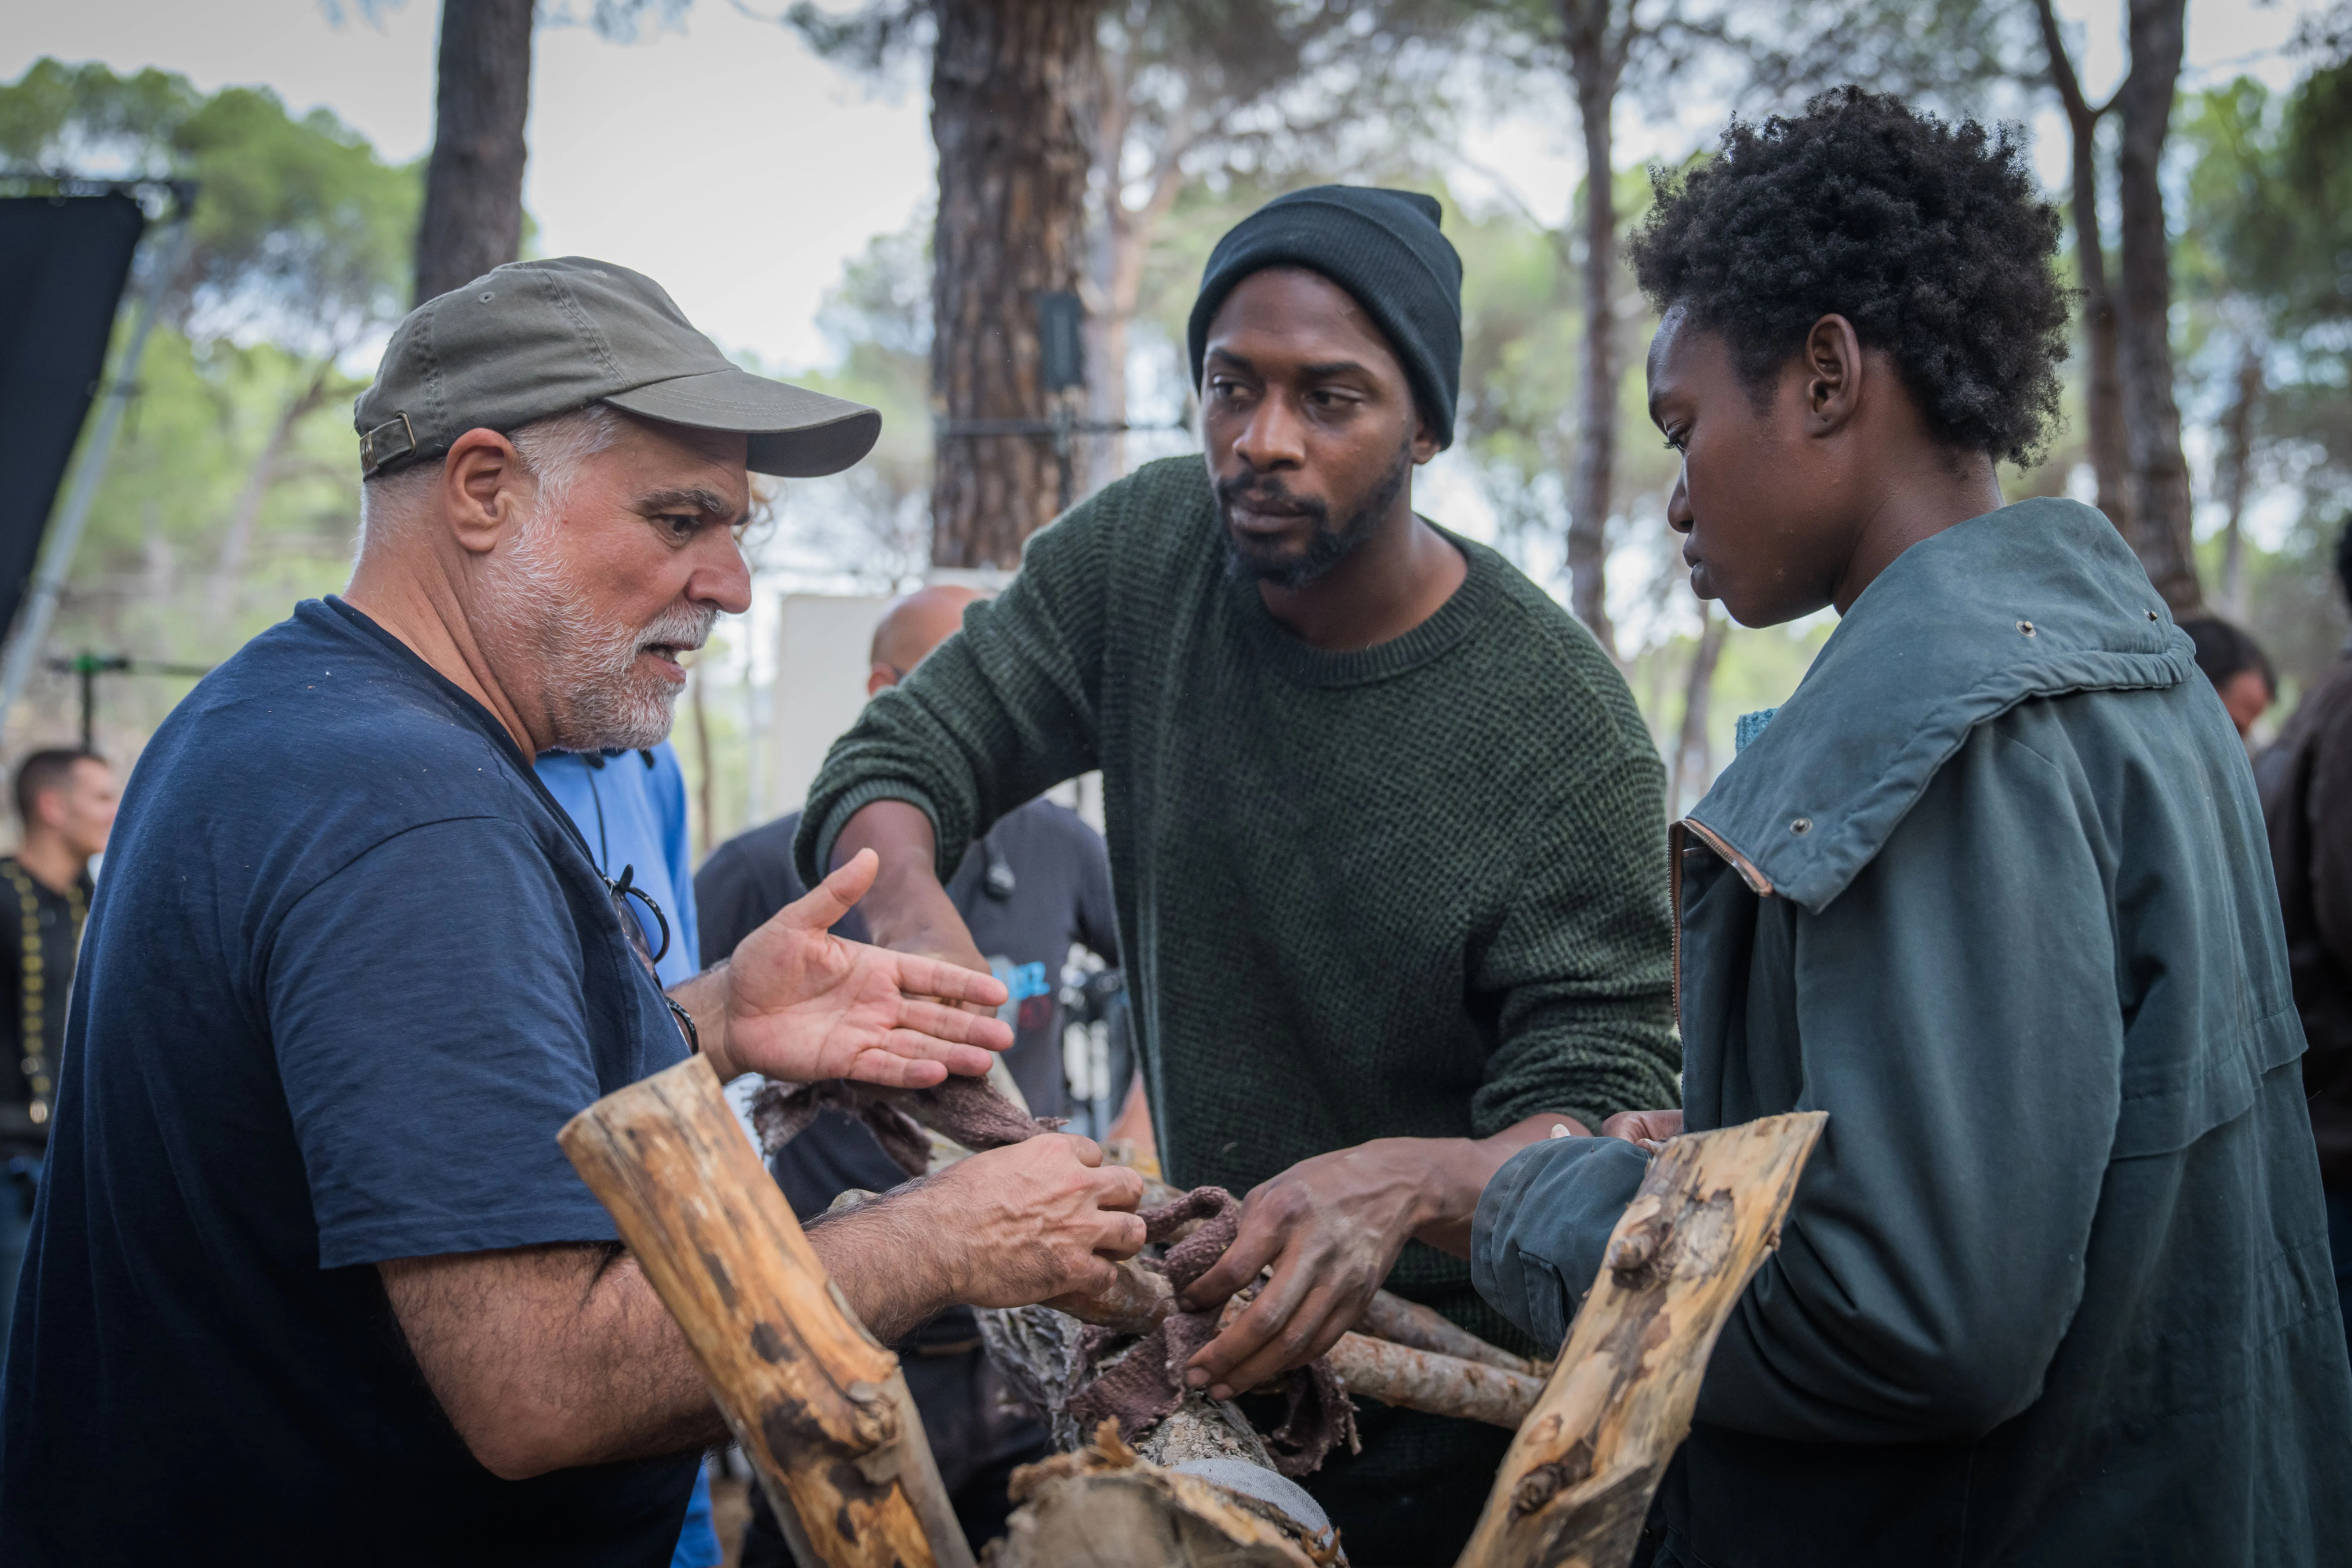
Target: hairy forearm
point(546, 1358)
point(1458, 1171)
point(887, 1258)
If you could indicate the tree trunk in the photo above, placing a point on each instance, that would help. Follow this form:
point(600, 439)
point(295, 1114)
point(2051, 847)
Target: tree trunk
point(2159, 495)
point(2103, 405)
point(1010, 83)
point(473, 185)
point(2237, 476)
point(1577, 1481)
point(820, 1409)
point(1595, 67)
point(1698, 694)
point(237, 539)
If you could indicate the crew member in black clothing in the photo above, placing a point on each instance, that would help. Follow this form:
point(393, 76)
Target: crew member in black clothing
point(1036, 884)
point(65, 801)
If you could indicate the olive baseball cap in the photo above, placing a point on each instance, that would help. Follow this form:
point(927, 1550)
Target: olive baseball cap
point(535, 338)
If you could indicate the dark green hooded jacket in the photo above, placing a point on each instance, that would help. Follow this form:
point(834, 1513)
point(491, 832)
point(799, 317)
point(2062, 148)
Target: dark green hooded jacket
point(1993, 890)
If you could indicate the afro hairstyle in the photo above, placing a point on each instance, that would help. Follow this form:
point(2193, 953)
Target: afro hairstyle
point(1931, 239)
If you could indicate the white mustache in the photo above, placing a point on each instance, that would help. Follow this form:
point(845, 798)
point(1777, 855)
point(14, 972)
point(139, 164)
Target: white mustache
point(683, 629)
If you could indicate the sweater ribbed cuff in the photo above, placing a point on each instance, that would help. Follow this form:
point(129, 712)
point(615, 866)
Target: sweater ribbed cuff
point(859, 798)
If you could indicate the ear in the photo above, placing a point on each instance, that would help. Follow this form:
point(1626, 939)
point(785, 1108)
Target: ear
point(1832, 363)
point(484, 489)
point(879, 678)
point(1424, 441)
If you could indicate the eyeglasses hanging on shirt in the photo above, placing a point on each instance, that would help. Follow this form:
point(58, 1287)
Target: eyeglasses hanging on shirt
point(624, 888)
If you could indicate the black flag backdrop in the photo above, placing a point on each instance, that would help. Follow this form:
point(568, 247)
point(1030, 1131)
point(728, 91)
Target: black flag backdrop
point(63, 262)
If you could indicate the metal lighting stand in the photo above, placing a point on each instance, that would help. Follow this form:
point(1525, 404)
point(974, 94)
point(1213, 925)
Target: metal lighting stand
point(89, 666)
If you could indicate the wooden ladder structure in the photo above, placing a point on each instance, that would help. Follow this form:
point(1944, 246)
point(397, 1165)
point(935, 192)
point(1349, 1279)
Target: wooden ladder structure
point(823, 1411)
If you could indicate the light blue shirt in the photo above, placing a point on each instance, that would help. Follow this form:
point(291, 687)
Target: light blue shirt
point(631, 808)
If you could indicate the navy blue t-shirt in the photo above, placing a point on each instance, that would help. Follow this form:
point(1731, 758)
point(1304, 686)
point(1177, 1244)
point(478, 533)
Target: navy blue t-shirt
point(349, 971)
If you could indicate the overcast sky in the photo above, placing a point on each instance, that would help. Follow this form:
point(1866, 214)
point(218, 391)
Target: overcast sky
point(731, 165)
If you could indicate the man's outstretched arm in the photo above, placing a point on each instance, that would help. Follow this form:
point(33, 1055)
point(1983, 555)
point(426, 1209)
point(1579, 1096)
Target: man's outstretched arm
point(797, 1002)
point(545, 1358)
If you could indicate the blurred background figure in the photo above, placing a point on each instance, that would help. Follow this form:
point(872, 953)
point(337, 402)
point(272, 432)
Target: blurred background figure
point(1037, 885)
point(65, 804)
point(2306, 782)
point(2238, 669)
point(630, 808)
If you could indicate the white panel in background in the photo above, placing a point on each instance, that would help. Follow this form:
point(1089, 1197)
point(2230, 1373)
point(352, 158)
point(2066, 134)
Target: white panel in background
point(822, 641)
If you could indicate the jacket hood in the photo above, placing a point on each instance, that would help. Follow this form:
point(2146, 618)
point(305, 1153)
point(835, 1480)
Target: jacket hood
point(2037, 599)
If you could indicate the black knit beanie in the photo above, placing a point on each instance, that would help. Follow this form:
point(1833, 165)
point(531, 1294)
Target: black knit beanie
point(1382, 247)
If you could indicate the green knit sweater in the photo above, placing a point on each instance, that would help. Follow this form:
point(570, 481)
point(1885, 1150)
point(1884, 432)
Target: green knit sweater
point(1417, 891)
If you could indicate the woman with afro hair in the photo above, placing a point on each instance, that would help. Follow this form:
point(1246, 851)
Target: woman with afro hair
point(1990, 889)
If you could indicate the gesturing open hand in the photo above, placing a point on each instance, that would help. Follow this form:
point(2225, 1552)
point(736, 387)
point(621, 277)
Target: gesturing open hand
point(803, 1004)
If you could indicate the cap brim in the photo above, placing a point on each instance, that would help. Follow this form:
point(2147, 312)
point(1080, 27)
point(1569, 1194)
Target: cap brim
point(795, 433)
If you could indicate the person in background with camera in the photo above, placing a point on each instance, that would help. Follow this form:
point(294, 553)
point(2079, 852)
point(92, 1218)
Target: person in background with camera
point(65, 804)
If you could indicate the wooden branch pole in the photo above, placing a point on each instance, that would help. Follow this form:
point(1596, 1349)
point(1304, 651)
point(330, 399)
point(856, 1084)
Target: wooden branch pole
point(821, 1409)
point(1400, 1322)
point(1441, 1384)
point(1577, 1481)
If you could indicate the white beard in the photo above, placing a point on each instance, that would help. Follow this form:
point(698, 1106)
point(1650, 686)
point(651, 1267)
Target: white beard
point(597, 697)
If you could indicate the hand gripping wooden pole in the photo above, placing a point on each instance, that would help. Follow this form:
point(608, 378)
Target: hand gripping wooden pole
point(821, 1409)
point(1577, 1481)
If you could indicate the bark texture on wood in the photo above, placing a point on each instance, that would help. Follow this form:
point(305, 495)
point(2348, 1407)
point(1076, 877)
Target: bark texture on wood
point(473, 183)
point(1011, 88)
point(1400, 1322)
point(2102, 396)
point(1577, 1481)
point(1105, 1507)
point(1596, 53)
point(1439, 1384)
point(2158, 493)
point(2237, 475)
point(821, 1410)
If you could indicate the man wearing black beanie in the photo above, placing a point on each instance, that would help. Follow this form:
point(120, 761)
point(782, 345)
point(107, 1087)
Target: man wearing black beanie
point(1386, 830)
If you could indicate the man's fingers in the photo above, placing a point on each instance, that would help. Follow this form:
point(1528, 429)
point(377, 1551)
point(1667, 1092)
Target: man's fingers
point(1122, 1235)
point(1091, 1277)
point(1260, 1323)
point(921, 976)
point(835, 896)
point(1120, 1188)
point(955, 1025)
point(893, 1072)
point(1314, 1328)
point(1252, 1251)
point(1255, 1349)
point(1643, 1126)
point(965, 1061)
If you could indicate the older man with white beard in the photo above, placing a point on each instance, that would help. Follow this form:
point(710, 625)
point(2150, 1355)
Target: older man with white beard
point(310, 1280)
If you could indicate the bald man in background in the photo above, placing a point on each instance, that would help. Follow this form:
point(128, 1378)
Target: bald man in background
point(1038, 883)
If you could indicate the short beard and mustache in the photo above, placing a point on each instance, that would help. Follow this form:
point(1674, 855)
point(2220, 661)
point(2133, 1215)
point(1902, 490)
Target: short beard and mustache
point(597, 700)
point(1247, 559)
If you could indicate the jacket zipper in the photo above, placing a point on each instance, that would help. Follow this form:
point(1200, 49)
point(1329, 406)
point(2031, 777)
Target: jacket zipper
point(1756, 881)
